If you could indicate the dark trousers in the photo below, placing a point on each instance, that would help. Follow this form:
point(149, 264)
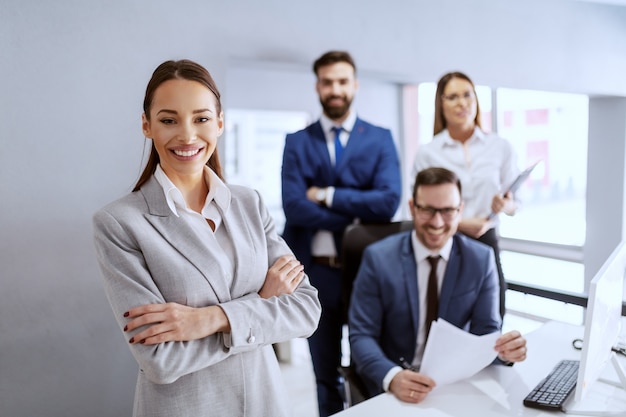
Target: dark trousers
point(491, 238)
point(325, 343)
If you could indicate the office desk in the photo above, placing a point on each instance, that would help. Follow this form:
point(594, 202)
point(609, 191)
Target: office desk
point(499, 391)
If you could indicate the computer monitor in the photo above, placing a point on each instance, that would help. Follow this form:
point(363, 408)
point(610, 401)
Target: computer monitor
point(602, 322)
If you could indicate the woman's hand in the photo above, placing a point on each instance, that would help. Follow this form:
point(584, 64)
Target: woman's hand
point(503, 203)
point(411, 387)
point(174, 322)
point(283, 277)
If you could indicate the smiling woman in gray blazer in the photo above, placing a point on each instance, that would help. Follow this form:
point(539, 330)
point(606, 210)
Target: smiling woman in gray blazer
point(194, 269)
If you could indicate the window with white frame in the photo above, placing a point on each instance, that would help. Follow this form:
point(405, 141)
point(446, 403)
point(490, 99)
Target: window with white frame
point(546, 126)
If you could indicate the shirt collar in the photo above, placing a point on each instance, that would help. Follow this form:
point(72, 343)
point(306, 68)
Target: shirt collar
point(347, 124)
point(478, 135)
point(218, 192)
point(421, 252)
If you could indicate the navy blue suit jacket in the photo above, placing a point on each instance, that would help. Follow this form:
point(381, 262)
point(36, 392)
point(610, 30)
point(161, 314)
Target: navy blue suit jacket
point(384, 311)
point(367, 183)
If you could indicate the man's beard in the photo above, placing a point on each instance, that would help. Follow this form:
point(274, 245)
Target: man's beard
point(336, 112)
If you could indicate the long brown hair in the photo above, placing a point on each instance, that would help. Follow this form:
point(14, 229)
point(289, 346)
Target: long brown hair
point(180, 70)
point(440, 120)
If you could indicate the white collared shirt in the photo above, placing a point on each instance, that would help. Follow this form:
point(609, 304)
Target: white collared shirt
point(486, 164)
point(323, 243)
point(327, 127)
point(218, 192)
point(421, 254)
point(217, 202)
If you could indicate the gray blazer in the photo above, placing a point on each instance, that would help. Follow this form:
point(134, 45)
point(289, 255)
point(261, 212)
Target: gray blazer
point(149, 255)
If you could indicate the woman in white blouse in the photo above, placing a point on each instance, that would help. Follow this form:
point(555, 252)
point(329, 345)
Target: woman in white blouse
point(485, 163)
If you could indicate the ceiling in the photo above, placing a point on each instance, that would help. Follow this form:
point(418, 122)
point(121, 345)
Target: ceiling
point(613, 2)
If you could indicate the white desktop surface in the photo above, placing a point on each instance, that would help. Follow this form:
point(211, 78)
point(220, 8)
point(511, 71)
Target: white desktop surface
point(500, 390)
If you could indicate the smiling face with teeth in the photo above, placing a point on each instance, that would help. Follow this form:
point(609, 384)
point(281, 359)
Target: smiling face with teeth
point(184, 125)
point(336, 86)
point(435, 231)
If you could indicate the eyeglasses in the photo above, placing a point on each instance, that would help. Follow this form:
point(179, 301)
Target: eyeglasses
point(455, 98)
point(427, 213)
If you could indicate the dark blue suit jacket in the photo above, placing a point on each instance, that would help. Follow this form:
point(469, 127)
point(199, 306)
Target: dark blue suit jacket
point(367, 183)
point(384, 311)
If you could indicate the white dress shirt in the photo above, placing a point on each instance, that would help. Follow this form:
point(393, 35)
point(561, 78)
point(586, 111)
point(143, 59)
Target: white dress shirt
point(486, 164)
point(422, 254)
point(323, 243)
point(217, 201)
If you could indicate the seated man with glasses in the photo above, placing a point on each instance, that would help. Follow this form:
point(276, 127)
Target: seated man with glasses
point(410, 279)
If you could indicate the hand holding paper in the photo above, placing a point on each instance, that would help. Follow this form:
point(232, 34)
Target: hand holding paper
point(452, 354)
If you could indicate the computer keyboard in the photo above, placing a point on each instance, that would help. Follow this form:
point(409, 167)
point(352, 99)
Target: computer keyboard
point(552, 392)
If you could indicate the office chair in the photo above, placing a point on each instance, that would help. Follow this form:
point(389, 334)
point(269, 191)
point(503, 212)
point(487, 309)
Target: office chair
point(355, 239)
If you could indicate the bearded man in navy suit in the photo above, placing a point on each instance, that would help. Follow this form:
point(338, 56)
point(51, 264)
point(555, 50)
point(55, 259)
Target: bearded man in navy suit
point(336, 171)
point(389, 309)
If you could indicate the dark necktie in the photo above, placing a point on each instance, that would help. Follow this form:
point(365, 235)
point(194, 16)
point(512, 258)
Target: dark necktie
point(338, 145)
point(432, 295)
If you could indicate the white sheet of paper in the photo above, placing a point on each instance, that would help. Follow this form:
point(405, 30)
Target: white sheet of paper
point(452, 354)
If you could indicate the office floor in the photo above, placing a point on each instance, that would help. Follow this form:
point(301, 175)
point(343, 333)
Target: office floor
point(300, 380)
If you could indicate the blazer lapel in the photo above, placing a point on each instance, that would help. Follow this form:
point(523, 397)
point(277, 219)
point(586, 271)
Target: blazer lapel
point(407, 259)
point(353, 142)
point(179, 234)
point(320, 147)
point(235, 220)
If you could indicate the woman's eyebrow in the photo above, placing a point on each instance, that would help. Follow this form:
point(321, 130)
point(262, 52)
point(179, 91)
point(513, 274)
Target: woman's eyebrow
point(175, 112)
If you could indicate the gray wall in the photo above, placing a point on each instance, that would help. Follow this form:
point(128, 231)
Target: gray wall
point(72, 77)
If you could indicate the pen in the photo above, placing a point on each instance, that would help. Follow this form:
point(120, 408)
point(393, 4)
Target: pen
point(407, 365)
